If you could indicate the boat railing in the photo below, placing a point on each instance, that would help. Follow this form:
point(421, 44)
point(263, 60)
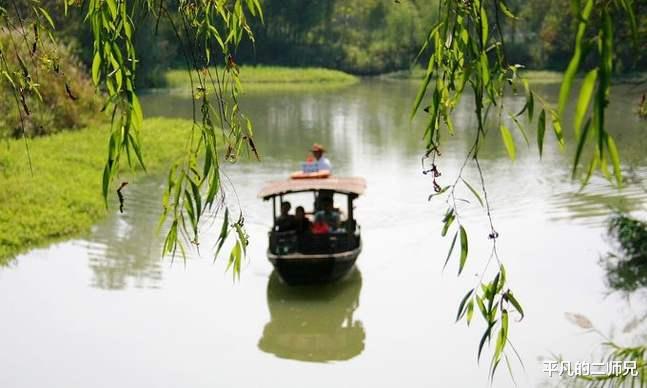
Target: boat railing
point(287, 242)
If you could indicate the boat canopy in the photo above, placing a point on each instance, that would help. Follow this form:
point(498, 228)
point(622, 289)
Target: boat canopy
point(343, 185)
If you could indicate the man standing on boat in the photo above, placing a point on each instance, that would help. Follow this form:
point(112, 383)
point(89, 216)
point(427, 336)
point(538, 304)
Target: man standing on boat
point(321, 161)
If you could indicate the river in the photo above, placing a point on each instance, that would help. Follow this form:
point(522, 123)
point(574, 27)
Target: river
point(105, 310)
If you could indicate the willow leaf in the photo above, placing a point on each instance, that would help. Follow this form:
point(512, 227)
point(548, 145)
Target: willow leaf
point(531, 105)
point(451, 249)
point(508, 141)
point(448, 220)
point(469, 312)
point(582, 137)
point(506, 11)
point(557, 128)
point(586, 91)
point(47, 17)
point(464, 249)
point(515, 303)
point(484, 26)
point(541, 130)
point(502, 337)
point(521, 129)
point(442, 191)
point(615, 160)
point(423, 88)
point(224, 231)
point(461, 306)
point(476, 194)
point(574, 64)
point(485, 336)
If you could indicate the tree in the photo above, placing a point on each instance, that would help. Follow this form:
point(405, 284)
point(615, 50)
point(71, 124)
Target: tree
point(207, 33)
point(469, 49)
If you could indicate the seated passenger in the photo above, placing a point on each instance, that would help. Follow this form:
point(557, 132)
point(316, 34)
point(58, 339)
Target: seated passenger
point(286, 221)
point(320, 226)
point(302, 223)
point(328, 214)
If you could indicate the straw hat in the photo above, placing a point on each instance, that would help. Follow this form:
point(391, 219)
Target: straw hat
point(318, 148)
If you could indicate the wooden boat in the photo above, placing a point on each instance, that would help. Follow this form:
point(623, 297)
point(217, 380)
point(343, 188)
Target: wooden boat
point(306, 258)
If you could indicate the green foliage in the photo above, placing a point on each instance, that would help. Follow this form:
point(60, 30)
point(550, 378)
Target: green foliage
point(542, 36)
point(256, 78)
point(603, 45)
point(58, 93)
point(467, 47)
point(63, 195)
point(208, 32)
point(626, 266)
point(360, 37)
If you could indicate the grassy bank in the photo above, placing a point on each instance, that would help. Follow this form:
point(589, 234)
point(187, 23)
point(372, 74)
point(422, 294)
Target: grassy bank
point(261, 78)
point(63, 196)
point(417, 73)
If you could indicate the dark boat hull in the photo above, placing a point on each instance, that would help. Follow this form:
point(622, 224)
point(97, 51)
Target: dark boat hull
point(297, 268)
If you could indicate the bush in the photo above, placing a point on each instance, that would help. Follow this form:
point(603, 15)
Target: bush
point(68, 99)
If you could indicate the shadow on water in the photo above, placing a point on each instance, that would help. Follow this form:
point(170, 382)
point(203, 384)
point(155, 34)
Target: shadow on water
point(314, 323)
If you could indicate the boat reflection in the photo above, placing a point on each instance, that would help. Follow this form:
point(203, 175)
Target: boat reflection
point(314, 323)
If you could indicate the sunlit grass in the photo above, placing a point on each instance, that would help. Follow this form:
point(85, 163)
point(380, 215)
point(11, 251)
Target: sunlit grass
point(542, 76)
point(63, 196)
point(417, 73)
point(262, 78)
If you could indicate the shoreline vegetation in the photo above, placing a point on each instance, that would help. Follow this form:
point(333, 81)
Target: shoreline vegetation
point(271, 78)
point(62, 197)
point(417, 73)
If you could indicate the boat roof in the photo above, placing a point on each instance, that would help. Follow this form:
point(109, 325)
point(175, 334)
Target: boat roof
point(344, 185)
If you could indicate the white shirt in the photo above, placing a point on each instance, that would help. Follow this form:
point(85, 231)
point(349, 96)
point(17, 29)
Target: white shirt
point(323, 164)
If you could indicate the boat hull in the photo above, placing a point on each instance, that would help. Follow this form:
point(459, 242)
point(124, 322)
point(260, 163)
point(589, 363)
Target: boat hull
point(298, 269)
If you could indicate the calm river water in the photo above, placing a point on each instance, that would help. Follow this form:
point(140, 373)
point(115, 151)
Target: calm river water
point(105, 310)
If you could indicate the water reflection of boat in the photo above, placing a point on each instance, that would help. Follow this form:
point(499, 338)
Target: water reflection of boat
point(314, 323)
point(305, 257)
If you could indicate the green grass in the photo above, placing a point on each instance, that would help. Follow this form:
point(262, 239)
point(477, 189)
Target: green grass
point(542, 76)
point(417, 73)
point(63, 196)
point(268, 78)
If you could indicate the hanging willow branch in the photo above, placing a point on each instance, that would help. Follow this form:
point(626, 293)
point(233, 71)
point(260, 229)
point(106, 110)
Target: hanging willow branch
point(209, 32)
point(467, 50)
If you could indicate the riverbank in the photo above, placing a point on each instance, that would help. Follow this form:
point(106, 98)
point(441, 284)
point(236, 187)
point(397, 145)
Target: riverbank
point(417, 73)
point(261, 78)
point(63, 196)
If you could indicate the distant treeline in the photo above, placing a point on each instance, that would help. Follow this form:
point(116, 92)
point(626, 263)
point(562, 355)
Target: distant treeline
point(363, 36)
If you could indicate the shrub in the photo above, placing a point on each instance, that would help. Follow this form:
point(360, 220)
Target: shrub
point(67, 100)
